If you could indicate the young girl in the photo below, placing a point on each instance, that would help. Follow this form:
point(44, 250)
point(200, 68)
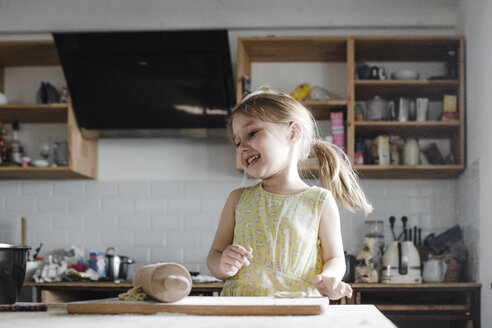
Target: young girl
point(281, 235)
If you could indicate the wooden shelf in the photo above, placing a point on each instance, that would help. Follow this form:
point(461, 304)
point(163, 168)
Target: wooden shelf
point(28, 53)
point(433, 89)
point(294, 49)
point(428, 129)
point(39, 173)
point(404, 48)
point(34, 113)
point(321, 109)
point(408, 171)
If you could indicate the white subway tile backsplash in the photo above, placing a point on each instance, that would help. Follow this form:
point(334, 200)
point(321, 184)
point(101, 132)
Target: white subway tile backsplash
point(74, 222)
point(9, 188)
point(150, 238)
point(36, 188)
point(100, 222)
point(84, 238)
point(182, 204)
point(21, 205)
point(117, 238)
point(52, 205)
point(84, 205)
point(200, 189)
point(150, 205)
point(117, 205)
point(201, 220)
point(166, 221)
point(53, 238)
point(166, 254)
point(167, 188)
point(100, 188)
point(212, 203)
point(195, 254)
point(134, 189)
point(183, 238)
point(68, 188)
point(176, 221)
point(133, 222)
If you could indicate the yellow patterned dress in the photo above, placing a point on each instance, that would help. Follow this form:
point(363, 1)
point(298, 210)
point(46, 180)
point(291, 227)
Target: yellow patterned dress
point(282, 230)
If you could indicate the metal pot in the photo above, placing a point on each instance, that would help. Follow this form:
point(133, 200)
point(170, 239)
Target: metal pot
point(350, 268)
point(117, 268)
point(12, 271)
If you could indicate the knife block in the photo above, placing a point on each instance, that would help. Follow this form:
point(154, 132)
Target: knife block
point(166, 282)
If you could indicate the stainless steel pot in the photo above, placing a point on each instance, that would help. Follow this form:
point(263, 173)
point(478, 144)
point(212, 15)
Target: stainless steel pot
point(117, 268)
point(12, 271)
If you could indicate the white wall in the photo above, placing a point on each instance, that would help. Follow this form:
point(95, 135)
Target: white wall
point(476, 188)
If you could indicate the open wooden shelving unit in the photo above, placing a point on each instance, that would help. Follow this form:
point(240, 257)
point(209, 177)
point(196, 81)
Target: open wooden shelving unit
point(82, 153)
point(358, 49)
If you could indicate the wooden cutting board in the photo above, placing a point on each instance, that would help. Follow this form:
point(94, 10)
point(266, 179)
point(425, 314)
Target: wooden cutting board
point(207, 305)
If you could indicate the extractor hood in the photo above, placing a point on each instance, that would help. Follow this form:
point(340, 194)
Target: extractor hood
point(155, 83)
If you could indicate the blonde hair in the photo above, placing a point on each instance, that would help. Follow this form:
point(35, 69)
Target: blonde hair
point(335, 171)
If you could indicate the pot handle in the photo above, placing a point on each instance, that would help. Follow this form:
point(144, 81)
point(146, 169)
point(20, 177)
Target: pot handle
point(110, 249)
point(129, 261)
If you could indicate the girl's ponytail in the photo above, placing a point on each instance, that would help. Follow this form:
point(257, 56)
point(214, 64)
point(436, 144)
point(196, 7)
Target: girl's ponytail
point(337, 175)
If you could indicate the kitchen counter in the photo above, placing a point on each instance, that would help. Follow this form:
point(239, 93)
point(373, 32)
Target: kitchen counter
point(337, 316)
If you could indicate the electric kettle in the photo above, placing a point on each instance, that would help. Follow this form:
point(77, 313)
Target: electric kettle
point(401, 264)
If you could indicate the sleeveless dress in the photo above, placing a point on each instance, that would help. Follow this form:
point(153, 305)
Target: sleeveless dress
point(282, 230)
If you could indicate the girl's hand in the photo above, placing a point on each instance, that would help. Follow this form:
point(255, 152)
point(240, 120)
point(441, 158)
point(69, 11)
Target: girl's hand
point(233, 258)
point(332, 287)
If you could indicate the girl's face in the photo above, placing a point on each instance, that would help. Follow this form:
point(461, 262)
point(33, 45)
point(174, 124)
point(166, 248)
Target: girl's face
point(263, 149)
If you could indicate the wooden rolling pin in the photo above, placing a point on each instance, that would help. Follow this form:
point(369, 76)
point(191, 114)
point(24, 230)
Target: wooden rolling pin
point(166, 282)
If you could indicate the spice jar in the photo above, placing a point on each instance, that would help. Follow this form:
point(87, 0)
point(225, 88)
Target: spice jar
point(411, 152)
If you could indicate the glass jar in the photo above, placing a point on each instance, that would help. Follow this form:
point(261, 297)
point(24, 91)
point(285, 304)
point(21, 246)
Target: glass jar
point(411, 152)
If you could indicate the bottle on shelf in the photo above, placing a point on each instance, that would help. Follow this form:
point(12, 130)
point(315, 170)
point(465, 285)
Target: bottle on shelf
point(3, 147)
point(15, 149)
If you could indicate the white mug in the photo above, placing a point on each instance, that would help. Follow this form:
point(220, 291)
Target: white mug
point(434, 271)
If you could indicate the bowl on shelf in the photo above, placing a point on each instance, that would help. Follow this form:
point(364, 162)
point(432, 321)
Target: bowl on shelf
point(405, 74)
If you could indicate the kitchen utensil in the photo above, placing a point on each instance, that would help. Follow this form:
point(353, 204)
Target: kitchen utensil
point(12, 271)
point(405, 74)
point(117, 268)
point(379, 109)
point(434, 271)
point(401, 263)
point(24, 231)
point(392, 220)
point(166, 282)
point(206, 305)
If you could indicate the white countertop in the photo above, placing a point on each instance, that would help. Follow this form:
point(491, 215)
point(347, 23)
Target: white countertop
point(337, 316)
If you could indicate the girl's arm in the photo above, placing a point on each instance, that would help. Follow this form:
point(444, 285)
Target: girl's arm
point(225, 259)
point(329, 281)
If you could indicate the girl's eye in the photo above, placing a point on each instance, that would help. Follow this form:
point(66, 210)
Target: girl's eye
point(252, 133)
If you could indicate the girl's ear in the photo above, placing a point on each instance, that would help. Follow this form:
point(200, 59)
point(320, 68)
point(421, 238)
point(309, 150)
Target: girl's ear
point(295, 132)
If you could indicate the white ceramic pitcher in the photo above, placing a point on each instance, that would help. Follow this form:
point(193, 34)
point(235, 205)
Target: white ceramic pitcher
point(434, 271)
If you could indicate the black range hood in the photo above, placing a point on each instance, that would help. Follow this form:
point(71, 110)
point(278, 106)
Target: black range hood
point(155, 83)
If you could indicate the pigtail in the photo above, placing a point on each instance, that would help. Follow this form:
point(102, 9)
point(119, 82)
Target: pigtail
point(337, 175)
